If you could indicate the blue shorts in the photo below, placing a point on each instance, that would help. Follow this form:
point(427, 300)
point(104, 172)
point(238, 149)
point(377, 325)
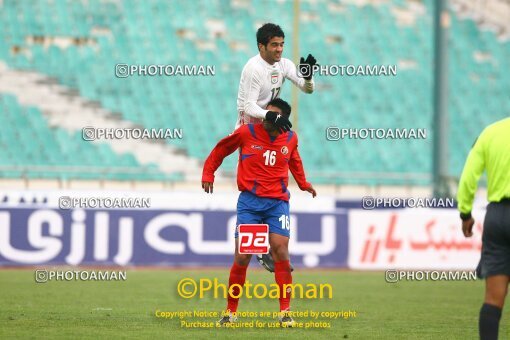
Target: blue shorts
point(252, 209)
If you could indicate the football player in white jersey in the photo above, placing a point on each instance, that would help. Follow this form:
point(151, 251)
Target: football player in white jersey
point(263, 76)
point(261, 81)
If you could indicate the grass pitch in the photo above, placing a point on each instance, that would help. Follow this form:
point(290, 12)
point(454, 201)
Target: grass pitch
point(87, 309)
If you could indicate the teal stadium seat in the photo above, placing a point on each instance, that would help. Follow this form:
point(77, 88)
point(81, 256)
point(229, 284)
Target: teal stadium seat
point(150, 32)
point(33, 147)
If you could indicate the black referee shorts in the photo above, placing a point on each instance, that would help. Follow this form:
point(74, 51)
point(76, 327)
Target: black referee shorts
point(495, 258)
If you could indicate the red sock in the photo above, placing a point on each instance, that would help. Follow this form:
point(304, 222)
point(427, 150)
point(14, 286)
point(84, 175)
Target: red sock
point(283, 276)
point(237, 275)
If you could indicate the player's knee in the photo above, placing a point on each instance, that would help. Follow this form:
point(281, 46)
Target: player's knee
point(495, 297)
point(280, 253)
point(495, 301)
point(242, 259)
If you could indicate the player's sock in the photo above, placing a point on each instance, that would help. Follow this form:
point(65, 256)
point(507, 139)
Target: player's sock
point(489, 322)
point(237, 275)
point(283, 276)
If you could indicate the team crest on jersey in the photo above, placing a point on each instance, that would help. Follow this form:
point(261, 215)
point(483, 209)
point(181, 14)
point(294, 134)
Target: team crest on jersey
point(285, 150)
point(257, 147)
point(274, 78)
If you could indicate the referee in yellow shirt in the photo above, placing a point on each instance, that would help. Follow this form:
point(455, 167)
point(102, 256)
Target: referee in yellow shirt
point(490, 152)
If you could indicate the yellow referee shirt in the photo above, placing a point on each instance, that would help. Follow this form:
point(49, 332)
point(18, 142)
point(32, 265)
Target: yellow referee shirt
point(492, 152)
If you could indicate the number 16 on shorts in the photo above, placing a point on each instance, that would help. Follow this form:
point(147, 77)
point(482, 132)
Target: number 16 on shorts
point(253, 238)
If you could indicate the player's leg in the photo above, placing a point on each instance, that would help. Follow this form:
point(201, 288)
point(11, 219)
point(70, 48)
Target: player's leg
point(237, 276)
point(279, 232)
point(494, 267)
point(280, 246)
point(267, 261)
point(496, 288)
point(236, 279)
point(282, 275)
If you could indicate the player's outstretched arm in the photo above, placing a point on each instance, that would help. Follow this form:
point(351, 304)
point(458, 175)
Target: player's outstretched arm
point(303, 80)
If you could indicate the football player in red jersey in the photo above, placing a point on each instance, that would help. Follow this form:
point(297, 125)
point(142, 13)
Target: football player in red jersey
point(266, 156)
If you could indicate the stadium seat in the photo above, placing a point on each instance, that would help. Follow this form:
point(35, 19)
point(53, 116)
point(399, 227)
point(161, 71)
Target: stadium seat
point(143, 34)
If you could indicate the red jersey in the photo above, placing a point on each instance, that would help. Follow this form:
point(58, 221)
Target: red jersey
point(264, 161)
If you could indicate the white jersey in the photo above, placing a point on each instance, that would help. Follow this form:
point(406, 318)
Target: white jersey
point(262, 82)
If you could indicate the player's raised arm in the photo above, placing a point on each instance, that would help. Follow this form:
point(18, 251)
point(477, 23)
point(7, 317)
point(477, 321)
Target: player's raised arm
point(303, 80)
point(224, 148)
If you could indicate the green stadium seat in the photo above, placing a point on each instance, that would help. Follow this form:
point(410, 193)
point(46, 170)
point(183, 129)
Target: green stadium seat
point(149, 33)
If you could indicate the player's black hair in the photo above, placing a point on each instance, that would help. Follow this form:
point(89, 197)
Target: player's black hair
point(267, 32)
point(282, 105)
